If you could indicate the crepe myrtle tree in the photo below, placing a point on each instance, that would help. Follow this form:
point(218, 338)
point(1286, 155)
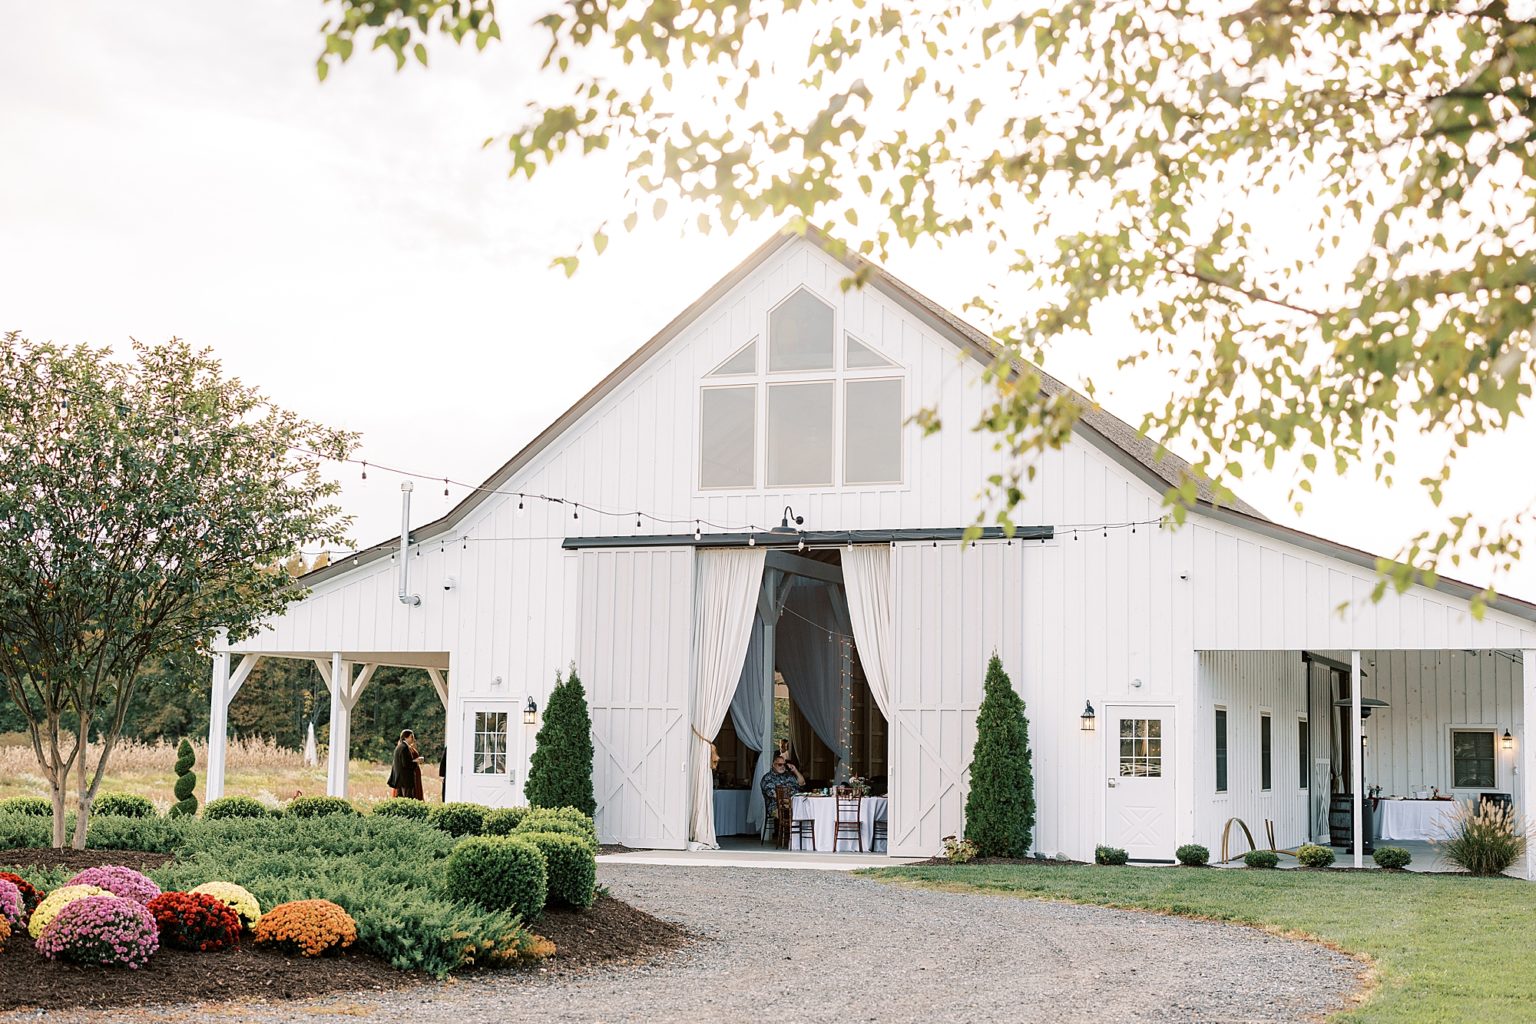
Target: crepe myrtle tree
point(147, 504)
point(1114, 157)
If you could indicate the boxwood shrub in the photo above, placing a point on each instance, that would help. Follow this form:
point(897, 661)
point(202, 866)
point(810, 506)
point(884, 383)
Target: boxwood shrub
point(1393, 858)
point(123, 805)
point(319, 807)
point(571, 865)
point(235, 807)
point(565, 820)
point(458, 819)
point(1313, 856)
point(1261, 858)
point(499, 873)
point(1193, 855)
point(402, 807)
point(154, 835)
point(31, 805)
point(502, 821)
point(1109, 855)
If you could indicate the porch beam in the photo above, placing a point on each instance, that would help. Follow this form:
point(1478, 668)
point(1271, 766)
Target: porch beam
point(439, 685)
point(359, 685)
point(802, 566)
point(218, 728)
point(1526, 756)
point(1357, 756)
point(241, 674)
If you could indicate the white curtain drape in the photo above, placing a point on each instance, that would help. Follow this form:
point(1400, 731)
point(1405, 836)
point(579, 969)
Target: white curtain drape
point(752, 714)
point(725, 588)
point(867, 584)
point(812, 664)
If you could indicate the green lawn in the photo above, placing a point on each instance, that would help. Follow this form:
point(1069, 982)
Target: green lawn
point(1445, 948)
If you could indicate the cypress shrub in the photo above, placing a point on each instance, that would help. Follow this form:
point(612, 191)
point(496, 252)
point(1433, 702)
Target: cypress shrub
point(186, 781)
point(1000, 809)
point(459, 819)
point(123, 805)
point(235, 807)
point(561, 771)
point(498, 873)
point(571, 866)
point(319, 807)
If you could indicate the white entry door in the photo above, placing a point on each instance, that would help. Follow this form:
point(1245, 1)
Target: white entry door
point(489, 774)
point(1138, 800)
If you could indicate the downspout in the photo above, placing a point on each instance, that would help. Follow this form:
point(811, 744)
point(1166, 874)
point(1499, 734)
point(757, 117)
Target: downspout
point(406, 597)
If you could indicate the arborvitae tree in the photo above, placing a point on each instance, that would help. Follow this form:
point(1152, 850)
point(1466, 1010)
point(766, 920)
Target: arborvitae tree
point(1000, 810)
point(186, 781)
point(561, 772)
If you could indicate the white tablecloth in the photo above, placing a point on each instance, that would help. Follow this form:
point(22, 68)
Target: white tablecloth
point(731, 812)
point(1415, 819)
point(823, 810)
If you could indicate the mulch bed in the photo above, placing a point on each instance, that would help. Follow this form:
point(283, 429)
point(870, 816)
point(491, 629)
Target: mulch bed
point(79, 860)
point(610, 933)
point(174, 976)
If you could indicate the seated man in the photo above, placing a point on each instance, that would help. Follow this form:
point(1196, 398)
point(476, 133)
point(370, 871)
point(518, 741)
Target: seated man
point(783, 772)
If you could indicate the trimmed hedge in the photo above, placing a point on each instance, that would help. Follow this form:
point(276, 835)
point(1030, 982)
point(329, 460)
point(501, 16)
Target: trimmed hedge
point(319, 807)
point(29, 805)
point(1110, 855)
point(123, 805)
point(458, 819)
point(1263, 859)
point(402, 807)
point(499, 873)
point(1193, 855)
point(1393, 858)
point(235, 807)
point(571, 866)
point(564, 820)
point(1311, 855)
point(503, 821)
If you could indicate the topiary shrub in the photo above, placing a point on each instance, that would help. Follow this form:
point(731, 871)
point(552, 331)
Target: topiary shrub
point(1261, 858)
point(306, 928)
point(1193, 855)
point(195, 921)
point(402, 807)
point(1483, 840)
point(123, 805)
point(502, 821)
point(1000, 809)
point(30, 895)
point(458, 819)
point(498, 873)
point(34, 806)
point(186, 781)
point(13, 907)
point(1393, 858)
point(236, 898)
point(1310, 855)
point(1110, 855)
point(571, 866)
point(318, 807)
point(105, 930)
point(56, 901)
point(119, 881)
point(563, 820)
point(560, 773)
point(235, 807)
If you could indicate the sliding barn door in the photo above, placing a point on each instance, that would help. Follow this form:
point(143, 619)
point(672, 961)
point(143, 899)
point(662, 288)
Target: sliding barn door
point(636, 625)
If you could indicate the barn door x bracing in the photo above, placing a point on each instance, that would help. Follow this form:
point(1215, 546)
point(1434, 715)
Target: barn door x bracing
point(635, 626)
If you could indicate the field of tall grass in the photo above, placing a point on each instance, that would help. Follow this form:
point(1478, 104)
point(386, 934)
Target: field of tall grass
point(256, 767)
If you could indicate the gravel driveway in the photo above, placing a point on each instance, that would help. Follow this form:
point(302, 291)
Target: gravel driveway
point(793, 946)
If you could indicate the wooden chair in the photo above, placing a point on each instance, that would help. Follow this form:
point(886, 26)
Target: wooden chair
point(771, 822)
point(848, 826)
point(879, 834)
point(790, 827)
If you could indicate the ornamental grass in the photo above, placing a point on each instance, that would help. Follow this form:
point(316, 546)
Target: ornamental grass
point(106, 930)
point(13, 906)
point(195, 921)
point(119, 881)
point(1483, 840)
point(55, 902)
point(307, 928)
point(236, 898)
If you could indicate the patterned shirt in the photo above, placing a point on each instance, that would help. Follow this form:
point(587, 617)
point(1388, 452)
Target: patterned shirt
point(772, 780)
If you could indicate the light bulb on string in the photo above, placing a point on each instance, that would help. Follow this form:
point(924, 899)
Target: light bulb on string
point(698, 531)
point(519, 502)
point(365, 470)
point(445, 487)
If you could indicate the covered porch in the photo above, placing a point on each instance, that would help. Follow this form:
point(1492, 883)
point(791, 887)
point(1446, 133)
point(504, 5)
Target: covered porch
point(347, 675)
point(1359, 748)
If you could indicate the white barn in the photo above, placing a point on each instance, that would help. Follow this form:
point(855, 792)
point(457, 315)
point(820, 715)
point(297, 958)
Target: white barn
point(1211, 655)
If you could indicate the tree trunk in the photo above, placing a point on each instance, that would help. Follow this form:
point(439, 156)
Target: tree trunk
point(83, 815)
point(56, 793)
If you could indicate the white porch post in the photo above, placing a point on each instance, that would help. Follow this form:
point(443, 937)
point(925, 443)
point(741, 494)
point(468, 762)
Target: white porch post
point(1355, 760)
point(341, 727)
point(1527, 754)
point(218, 728)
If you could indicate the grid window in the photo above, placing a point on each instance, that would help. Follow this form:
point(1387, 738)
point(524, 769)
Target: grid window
point(1221, 750)
point(490, 742)
point(1141, 747)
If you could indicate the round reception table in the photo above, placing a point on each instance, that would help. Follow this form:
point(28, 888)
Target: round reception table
point(823, 811)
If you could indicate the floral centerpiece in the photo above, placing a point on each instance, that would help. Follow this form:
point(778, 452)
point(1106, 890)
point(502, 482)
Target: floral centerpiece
point(857, 785)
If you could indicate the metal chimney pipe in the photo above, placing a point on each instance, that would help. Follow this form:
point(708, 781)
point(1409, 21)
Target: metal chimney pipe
point(406, 597)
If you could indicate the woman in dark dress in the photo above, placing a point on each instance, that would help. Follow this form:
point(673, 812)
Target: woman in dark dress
point(405, 771)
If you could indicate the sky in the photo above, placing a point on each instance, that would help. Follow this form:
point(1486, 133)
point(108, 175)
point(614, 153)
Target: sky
point(351, 249)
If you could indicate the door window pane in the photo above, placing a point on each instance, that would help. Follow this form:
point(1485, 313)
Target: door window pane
point(1266, 752)
point(1221, 750)
point(1472, 764)
point(872, 432)
point(800, 334)
point(490, 742)
point(1141, 747)
point(800, 434)
point(728, 437)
